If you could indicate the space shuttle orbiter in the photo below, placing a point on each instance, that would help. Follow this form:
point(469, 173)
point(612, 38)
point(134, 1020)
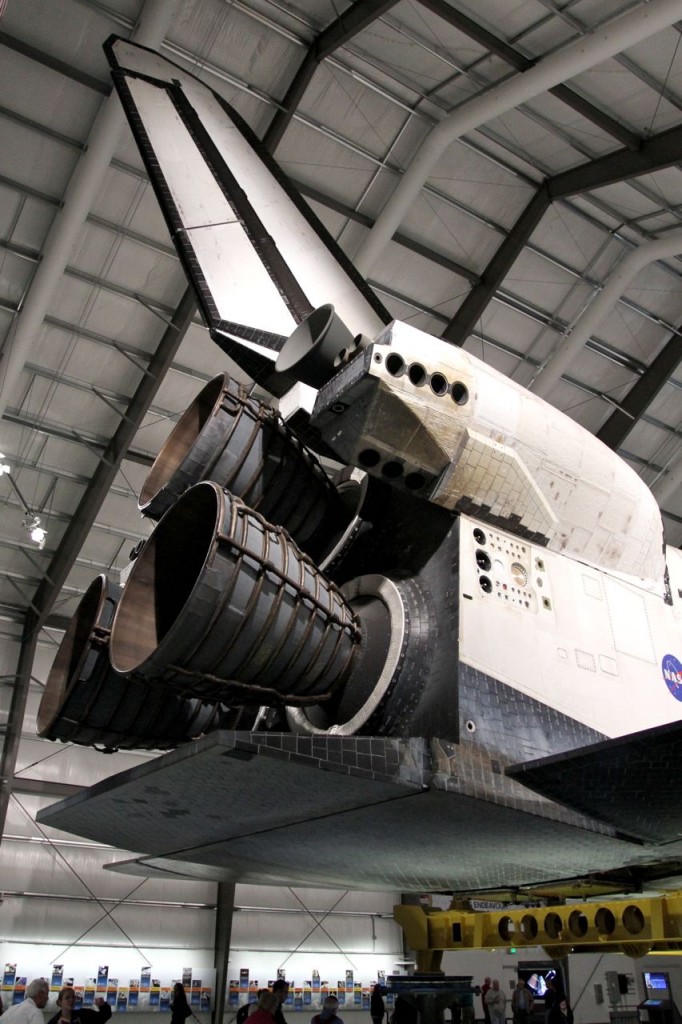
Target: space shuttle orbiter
point(409, 601)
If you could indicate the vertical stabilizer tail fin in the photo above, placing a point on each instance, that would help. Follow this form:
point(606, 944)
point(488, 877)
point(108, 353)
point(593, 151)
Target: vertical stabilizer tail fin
point(253, 251)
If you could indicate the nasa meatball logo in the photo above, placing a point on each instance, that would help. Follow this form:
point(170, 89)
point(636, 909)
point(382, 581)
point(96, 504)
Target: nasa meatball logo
point(672, 674)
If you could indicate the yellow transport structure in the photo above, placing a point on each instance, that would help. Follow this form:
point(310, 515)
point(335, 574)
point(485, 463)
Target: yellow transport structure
point(634, 927)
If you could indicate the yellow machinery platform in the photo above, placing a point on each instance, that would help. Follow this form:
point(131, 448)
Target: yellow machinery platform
point(634, 927)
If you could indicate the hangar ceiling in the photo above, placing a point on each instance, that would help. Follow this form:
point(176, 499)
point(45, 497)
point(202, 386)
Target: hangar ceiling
point(544, 216)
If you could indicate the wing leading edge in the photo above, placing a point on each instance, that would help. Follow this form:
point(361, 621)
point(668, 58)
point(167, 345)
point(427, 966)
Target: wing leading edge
point(630, 783)
point(258, 258)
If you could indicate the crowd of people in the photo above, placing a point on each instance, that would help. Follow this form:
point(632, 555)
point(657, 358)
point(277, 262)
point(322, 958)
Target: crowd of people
point(267, 1009)
point(555, 1008)
point(30, 1009)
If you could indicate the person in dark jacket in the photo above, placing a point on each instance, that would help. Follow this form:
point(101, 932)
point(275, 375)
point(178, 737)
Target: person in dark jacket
point(67, 1013)
point(377, 1006)
point(485, 988)
point(404, 1012)
point(327, 1014)
point(522, 1003)
point(281, 990)
point(180, 1010)
point(561, 1012)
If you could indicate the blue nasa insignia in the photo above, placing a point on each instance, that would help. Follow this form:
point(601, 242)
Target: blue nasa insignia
point(672, 674)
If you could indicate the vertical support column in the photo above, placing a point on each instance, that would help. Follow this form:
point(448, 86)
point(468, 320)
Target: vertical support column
point(221, 947)
point(10, 745)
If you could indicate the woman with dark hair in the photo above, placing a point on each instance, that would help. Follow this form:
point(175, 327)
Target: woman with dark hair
point(69, 1015)
point(180, 1010)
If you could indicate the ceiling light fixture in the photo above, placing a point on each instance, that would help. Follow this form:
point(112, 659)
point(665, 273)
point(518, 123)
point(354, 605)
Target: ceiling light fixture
point(32, 521)
point(35, 531)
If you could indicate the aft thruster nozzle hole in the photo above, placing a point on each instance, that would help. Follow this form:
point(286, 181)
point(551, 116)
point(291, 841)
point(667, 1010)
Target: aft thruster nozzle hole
point(318, 347)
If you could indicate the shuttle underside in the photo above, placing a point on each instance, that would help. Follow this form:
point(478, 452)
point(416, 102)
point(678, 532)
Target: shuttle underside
point(410, 620)
point(353, 812)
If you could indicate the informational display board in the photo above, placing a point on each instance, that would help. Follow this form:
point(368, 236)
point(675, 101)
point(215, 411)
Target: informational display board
point(142, 993)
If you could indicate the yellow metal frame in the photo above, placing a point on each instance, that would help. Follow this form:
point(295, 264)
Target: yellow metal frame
point(631, 926)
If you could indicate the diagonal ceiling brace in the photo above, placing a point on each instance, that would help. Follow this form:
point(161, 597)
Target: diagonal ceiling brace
point(464, 321)
point(409, 243)
point(103, 477)
point(658, 152)
point(641, 394)
point(654, 154)
point(361, 14)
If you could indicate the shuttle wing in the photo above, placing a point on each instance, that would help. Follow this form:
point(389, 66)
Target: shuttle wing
point(630, 782)
point(257, 257)
point(379, 813)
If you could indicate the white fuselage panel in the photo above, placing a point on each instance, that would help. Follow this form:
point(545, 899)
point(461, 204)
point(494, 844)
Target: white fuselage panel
point(588, 644)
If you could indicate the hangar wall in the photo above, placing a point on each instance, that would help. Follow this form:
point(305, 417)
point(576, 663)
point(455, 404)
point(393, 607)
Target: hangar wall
point(60, 906)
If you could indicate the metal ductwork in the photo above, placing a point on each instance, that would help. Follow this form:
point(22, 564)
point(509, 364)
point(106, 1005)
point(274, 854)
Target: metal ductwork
point(563, 355)
point(86, 181)
point(581, 55)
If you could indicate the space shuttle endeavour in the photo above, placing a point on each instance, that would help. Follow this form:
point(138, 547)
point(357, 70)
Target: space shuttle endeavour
point(401, 596)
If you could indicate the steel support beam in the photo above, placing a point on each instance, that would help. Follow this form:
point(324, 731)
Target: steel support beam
point(48, 61)
point(105, 474)
point(221, 947)
point(468, 314)
point(78, 529)
point(654, 154)
point(361, 14)
point(95, 444)
point(641, 394)
point(519, 62)
point(17, 710)
point(44, 787)
point(660, 151)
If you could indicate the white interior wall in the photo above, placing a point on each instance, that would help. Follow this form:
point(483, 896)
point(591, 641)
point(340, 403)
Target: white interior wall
point(585, 971)
point(298, 931)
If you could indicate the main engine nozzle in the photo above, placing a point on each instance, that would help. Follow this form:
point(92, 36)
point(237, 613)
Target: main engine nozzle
point(228, 437)
point(85, 701)
point(223, 605)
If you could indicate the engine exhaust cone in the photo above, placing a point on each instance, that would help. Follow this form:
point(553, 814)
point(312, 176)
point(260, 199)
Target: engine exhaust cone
point(223, 605)
point(317, 348)
point(242, 445)
point(85, 701)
